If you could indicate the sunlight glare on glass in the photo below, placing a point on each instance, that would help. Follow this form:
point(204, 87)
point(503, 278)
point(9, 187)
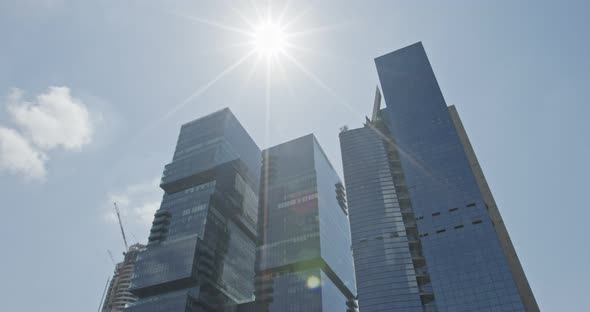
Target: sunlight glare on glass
point(269, 39)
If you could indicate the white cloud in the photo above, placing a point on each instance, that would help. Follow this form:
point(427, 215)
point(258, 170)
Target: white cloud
point(53, 119)
point(145, 212)
point(137, 203)
point(18, 156)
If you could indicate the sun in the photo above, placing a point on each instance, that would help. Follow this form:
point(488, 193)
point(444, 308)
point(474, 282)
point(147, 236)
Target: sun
point(270, 39)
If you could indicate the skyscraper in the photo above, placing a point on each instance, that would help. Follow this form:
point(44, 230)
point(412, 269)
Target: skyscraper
point(304, 260)
point(201, 251)
point(118, 295)
point(426, 232)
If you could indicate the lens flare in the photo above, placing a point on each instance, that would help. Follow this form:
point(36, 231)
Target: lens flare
point(313, 282)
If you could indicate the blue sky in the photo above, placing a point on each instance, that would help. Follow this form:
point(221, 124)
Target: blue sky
point(92, 95)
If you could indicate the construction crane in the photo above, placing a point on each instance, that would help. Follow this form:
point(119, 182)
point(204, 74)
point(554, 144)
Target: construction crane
point(111, 256)
point(104, 292)
point(121, 225)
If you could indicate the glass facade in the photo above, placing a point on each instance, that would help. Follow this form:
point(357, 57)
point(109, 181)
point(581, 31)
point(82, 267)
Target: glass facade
point(304, 261)
point(390, 267)
point(201, 251)
point(460, 260)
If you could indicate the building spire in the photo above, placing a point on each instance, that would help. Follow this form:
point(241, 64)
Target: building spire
point(376, 104)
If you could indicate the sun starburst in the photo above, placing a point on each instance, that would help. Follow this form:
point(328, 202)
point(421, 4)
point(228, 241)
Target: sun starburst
point(270, 39)
point(267, 37)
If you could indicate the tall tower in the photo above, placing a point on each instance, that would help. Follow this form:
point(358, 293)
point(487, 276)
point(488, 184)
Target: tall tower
point(201, 250)
point(390, 266)
point(118, 295)
point(304, 260)
point(427, 235)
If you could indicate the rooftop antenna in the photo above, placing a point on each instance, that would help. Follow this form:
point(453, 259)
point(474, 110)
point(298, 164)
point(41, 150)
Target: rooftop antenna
point(121, 225)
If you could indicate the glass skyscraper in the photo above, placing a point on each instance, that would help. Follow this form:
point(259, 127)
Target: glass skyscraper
point(202, 248)
point(426, 232)
point(304, 260)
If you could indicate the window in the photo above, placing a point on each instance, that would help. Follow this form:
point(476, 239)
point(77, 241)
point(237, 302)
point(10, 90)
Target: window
point(434, 214)
point(420, 218)
point(423, 234)
point(441, 231)
point(476, 222)
point(453, 209)
point(471, 205)
point(460, 226)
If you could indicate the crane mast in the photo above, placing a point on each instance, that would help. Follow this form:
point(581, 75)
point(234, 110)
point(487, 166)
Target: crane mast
point(121, 225)
point(104, 292)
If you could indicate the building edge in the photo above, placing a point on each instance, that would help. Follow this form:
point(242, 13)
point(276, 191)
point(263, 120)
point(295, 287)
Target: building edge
point(520, 279)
